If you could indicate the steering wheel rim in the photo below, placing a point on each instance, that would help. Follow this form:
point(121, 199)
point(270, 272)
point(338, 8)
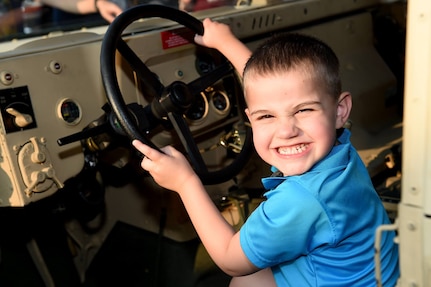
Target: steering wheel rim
point(112, 40)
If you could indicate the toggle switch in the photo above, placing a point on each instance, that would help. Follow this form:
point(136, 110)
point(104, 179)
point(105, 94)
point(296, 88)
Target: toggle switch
point(21, 120)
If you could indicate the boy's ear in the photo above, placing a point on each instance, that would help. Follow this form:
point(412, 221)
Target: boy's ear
point(343, 109)
point(247, 112)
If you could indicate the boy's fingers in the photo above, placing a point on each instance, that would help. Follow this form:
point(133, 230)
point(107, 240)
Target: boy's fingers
point(147, 151)
point(207, 20)
point(198, 39)
point(138, 145)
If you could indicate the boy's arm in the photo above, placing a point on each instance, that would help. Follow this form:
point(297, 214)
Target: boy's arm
point(172, 171)
point(219, 36)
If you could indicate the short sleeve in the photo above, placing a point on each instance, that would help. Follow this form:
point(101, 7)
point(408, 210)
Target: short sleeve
point(289, 224)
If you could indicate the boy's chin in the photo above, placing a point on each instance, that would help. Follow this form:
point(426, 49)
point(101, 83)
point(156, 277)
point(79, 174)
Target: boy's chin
point(294, 171)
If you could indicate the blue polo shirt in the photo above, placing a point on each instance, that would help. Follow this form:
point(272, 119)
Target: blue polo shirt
point(318, 228)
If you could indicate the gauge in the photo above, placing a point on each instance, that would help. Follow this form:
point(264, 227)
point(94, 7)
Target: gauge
point(198, 109)
point(220, 102)
point(69, 111)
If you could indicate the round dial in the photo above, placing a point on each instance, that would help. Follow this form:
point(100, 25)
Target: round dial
point(220, 102)
point(199, 108)
point(69, 111)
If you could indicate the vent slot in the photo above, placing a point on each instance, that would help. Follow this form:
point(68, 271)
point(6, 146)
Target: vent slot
point(264, 22)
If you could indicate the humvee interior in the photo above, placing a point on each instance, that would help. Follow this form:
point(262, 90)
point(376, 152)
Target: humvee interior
point(75, 206)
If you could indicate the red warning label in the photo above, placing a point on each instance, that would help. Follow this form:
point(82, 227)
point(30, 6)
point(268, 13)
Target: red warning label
point(177, 37)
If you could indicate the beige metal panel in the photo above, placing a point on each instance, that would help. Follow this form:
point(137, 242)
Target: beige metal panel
point(411, 240)
point(79, 80)
point(414, 225)
point(417, 104)
point(251, 22)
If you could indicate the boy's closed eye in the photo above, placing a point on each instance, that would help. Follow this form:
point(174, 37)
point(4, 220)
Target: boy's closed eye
point(305, 110)
point(263, 117)
point(308, 107)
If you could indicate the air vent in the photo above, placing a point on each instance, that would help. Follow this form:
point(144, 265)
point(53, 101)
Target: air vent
point(265, 21)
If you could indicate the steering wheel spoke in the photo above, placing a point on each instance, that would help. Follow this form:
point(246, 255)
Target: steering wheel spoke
point(189, 144)
point(150, 83)
point(210, 78)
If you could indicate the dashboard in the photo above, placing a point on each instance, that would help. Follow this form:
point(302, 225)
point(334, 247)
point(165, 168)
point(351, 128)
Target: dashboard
point(51, 88)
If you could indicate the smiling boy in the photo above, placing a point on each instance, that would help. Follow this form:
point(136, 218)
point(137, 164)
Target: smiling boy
point(317, 224)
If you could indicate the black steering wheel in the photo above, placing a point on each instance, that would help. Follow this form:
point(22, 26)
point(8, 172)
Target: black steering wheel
point(169, 102)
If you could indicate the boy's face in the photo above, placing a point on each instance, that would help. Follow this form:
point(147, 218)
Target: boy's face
point(293, 122)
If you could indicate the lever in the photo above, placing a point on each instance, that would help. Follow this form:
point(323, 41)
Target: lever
point(21, 120)
point(84, 134)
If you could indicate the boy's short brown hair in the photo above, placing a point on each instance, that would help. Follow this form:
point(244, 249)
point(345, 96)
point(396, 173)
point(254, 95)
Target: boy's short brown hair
point(287, 51)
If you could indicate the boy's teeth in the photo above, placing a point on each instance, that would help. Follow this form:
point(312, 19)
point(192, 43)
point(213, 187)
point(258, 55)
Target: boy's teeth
point(292, 150)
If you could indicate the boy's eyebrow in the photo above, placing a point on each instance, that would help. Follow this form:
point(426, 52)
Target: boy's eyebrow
point(295, 108)
point(259, 112)
point(307, 104)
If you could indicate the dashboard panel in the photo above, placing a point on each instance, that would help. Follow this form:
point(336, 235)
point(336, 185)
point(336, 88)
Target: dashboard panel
point(55, 84)
point(60, 94)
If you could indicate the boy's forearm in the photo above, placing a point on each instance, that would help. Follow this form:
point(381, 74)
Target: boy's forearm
point(213, 230)
point(237, 53)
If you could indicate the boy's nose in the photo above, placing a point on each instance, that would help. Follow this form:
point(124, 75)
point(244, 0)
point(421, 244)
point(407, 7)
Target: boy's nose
point(287, 127)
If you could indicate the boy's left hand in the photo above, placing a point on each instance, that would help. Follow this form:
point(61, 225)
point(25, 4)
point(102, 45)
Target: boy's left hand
point(170, 170)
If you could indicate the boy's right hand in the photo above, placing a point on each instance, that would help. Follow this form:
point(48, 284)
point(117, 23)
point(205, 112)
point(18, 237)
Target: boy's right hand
point(170, 169)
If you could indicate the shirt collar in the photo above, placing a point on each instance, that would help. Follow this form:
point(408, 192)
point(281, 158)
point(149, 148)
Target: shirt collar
point(277, 177)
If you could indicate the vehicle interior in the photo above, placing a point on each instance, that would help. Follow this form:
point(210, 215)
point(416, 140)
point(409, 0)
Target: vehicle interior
point(76, 207)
